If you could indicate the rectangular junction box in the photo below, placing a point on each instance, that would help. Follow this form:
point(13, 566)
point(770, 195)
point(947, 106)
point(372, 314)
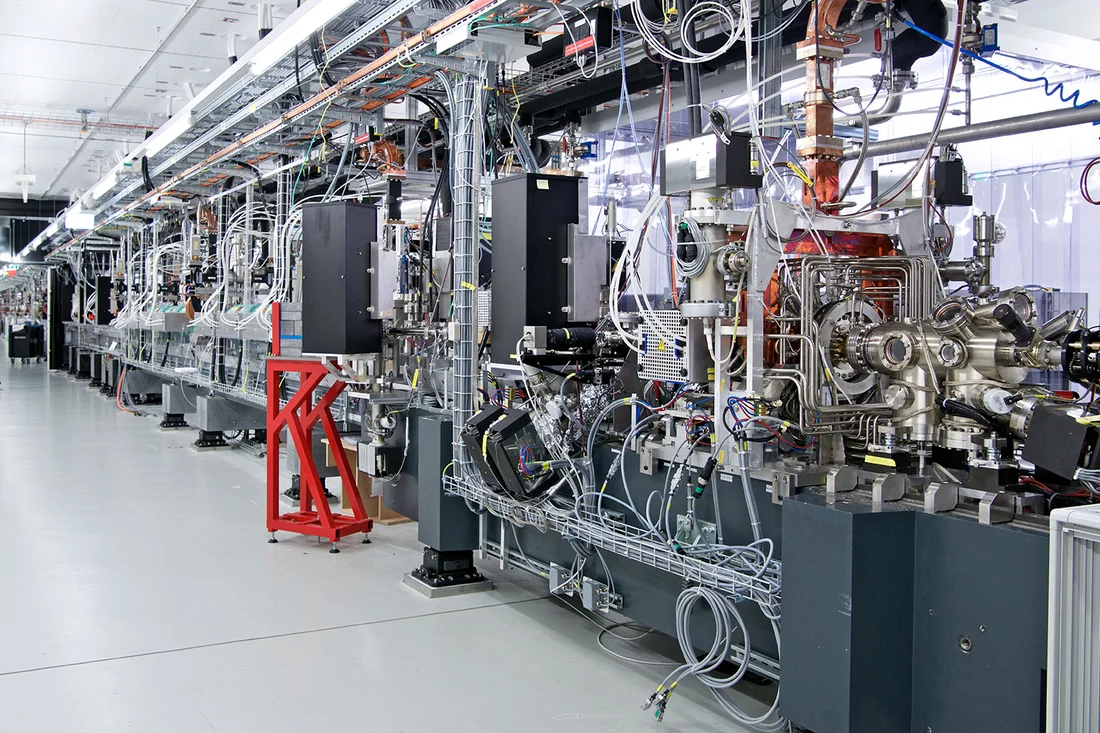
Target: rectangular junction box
point(1059, 444)
point(706, 162)
point(588, 32)
point(531, 218)
point(337, 317)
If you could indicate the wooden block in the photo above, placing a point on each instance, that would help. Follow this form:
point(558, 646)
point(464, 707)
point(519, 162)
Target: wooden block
point(372, 504)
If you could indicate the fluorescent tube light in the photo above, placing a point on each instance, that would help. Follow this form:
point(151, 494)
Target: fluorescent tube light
point(168, 132)
point(298, 26)
point(77, 218)
point(102, 188)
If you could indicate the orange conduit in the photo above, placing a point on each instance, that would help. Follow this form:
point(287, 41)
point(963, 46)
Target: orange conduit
point(118, 393)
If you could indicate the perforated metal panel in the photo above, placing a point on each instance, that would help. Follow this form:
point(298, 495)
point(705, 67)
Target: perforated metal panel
point(485, 308)
point(1073, 642)
point(663, 358)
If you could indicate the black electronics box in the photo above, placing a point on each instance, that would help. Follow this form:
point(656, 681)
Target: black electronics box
point(103, 300)
point(1058, 444)
point(708, 162)
point(951, 184)
point(473, 436)
point(336, 279)
point(589, 32)
point(503, 443)
point(531, 218)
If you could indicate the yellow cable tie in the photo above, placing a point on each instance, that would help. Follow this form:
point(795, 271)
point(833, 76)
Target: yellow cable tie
point(800, 173)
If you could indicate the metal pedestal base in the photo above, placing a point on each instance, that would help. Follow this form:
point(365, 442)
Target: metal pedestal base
point(210, 441)
point(447, 591)
point(443, 571)
point(173, 421)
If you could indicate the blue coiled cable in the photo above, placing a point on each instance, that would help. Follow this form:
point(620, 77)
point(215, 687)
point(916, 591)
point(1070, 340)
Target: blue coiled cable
point(1049, 87)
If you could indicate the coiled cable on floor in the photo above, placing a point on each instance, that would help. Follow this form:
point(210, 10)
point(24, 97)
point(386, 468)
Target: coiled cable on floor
point(727, 623)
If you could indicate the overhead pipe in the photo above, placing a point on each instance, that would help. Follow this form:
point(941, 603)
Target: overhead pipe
point(64, 122)
point(907, 49)
point(263, 20)
point(231, 48)
point(983, 131)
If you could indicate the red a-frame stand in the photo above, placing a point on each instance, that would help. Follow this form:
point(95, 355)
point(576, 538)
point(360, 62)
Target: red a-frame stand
point(299, 416)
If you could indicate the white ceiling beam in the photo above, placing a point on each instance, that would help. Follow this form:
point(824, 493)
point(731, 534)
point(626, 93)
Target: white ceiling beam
point(1020, 36)
point(1040, 44)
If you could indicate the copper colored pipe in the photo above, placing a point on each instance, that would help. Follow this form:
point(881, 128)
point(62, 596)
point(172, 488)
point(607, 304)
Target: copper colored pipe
point(819, 149)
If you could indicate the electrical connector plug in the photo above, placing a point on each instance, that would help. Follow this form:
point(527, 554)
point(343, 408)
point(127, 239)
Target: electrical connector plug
point(651, 699)
point(662, 703)
point(703, 479)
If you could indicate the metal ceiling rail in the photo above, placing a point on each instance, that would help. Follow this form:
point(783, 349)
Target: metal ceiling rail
point(45, 118)
point(375, 24)
point(414, 44)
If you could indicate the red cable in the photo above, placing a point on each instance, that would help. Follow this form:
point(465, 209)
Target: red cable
point(1085, 182)
point(118, 393)
point(786, 442)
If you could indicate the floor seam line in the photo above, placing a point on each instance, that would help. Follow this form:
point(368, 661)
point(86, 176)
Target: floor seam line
point(288, 634)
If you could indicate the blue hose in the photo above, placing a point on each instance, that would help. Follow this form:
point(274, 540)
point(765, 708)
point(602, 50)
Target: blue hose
point(1049, 87)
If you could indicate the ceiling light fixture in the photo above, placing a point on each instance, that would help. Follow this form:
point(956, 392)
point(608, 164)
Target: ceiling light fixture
point(77, 218)
point(298, 26)
point(102, 188)
point(168, 132)
point(25, 180)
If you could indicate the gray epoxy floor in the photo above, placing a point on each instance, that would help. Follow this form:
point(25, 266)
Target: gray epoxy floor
point(139, 593)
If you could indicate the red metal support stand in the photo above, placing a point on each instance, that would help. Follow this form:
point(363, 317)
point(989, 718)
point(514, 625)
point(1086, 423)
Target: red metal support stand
point(299, 416)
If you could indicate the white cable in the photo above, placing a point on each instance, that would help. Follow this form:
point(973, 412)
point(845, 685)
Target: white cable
point(727, 623)
point(651, 31)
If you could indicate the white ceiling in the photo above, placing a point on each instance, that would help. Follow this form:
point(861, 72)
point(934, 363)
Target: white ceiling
point(61, 56)
point(1072, 17)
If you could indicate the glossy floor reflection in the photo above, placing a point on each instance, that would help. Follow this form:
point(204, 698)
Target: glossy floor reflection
point(140, 594)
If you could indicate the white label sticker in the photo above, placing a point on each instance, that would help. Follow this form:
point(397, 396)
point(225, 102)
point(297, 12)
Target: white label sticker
point(702, 167)
point(543, 184)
